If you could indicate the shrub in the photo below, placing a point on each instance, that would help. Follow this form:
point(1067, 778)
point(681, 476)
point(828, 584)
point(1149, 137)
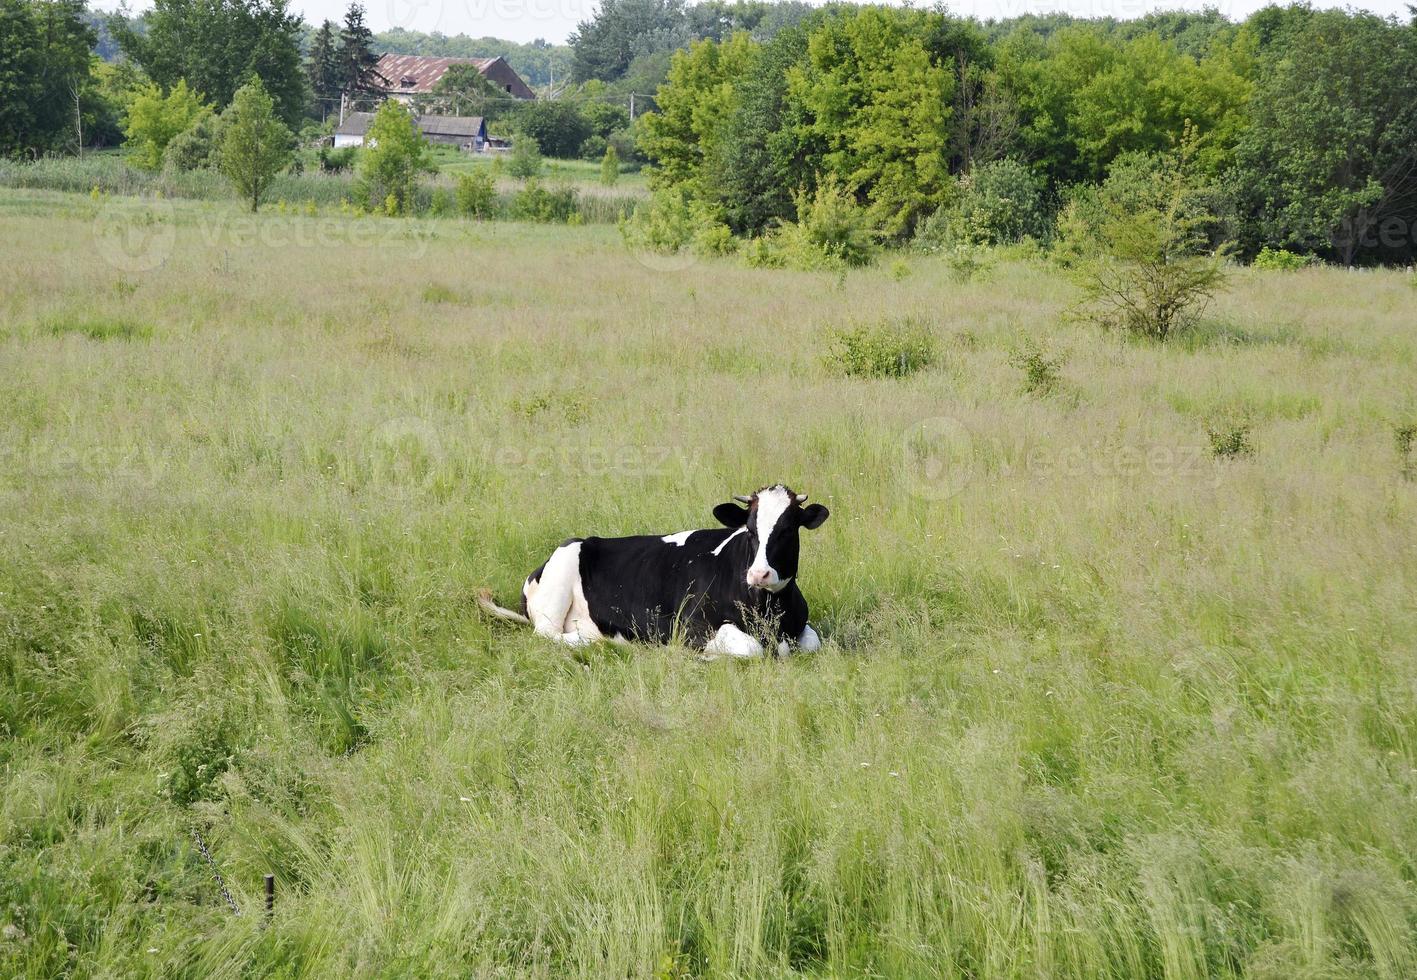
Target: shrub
point(1041, 372)
point(195, 148)
point(832, 223)
point(334, 161)
point(1143, 257)
point(610, 167)
point(155, 120)
point(998, 203)
point(525, 162)
point(535, 203)
point(891, 348)
point(968, 263)
point(476, 195)
point(1405, 437)
point(1280, 259)
point(1229, 438)
point(670, 223)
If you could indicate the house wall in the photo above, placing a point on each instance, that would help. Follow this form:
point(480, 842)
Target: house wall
point(505, 78)
point(343, 141)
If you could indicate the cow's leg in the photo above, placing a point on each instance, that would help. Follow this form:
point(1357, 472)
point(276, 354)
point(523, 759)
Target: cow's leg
point(809, 640)
point(549, 600)
point(556, 604)
point(734, 642)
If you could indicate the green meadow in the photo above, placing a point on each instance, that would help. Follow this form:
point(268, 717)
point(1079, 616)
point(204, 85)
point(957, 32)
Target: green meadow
point(1119, 676)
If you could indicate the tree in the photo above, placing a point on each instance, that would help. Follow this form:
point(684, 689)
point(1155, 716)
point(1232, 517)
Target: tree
point(154, 119)
point(464, 91)
point(622, 30)
point(322, 66)
point(878, 110)
point(559, 128)
point(65, 71)
point(687, 136)
point(764, 161)
point(47, 89)
point(605, 118)
point(219, 45)
point(396, 153)
point(358, 64)
point(1085, 97)
point(1329, 162)
point(19, 77)
point(255, 144)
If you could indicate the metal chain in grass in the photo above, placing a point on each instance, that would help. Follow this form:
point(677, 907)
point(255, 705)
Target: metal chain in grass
point(220, 881)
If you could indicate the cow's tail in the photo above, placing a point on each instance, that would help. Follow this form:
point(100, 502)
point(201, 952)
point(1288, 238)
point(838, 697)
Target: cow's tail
point(489, 606)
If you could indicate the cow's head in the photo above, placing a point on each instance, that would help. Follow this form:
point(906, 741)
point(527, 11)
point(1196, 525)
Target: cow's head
point(772, 520)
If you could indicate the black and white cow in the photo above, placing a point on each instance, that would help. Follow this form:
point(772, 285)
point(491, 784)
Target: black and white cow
point(719, 588)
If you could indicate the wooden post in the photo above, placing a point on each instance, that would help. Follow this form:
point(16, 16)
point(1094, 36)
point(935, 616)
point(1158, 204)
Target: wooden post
point(270, 896)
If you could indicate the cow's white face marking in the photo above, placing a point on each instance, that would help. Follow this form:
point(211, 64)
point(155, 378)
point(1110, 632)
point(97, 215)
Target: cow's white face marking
point(677, 538)
point(724, 543)
point(772, 504)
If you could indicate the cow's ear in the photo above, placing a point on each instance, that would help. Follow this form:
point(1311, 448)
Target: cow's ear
point(813, 516)
point(730, 515)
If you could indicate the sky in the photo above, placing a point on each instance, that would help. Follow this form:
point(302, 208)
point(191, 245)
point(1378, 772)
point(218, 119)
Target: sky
point(553, 20)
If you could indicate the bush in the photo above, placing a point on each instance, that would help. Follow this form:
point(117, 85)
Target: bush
point(1405, 438)
point(610, 167)
point(892, 348)
point(968, 263)
point(831, 222)
point(525, 162)
point(559, 128)
point(1141, 251)
point(1279, 259)
point(1041, 372)
point(476, 195)
point(195, 148)
point(155, 120)
point(334, 161)
point(535, 203)
point(1229, 438)
point(670, 223)
point(999, 203)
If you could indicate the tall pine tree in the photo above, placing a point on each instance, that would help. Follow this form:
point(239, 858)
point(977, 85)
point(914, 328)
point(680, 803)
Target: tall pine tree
point(358, 72)
point(322, 67)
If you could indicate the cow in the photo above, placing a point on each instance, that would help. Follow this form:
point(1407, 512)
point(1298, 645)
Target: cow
point(721, 589)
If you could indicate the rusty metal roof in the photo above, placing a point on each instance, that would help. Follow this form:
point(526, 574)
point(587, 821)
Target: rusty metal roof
point(411, 74)
point(357, 124)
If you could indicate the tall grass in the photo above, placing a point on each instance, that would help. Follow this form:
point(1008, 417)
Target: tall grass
point(109, 174)
point(1094, 702)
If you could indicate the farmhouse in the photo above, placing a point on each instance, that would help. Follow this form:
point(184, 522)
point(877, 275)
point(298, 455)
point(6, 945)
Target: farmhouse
point(467, 133)
point(408, 75)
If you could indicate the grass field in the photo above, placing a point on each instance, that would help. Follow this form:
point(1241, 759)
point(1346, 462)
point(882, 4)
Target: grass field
point(1094, 700)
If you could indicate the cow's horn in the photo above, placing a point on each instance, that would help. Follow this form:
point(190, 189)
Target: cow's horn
point(801, 497)
point(742, 499)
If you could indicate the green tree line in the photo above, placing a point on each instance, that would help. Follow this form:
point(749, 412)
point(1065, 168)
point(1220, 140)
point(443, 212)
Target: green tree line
point(1305, 122)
